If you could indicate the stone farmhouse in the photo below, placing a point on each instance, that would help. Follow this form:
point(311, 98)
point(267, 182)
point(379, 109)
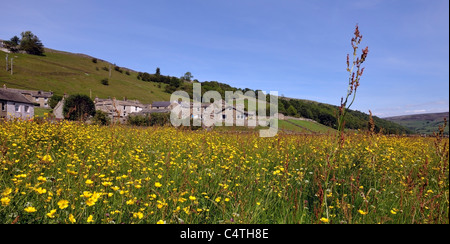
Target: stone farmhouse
point(157, 107)
point(15, 105)
point(118, 109)
point(226, 113)
point(36, 97)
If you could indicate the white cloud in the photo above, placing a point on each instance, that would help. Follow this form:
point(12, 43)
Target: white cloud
point(407, 109)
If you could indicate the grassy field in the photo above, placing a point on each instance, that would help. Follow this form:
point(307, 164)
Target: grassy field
point(42, 112)
point(296, 126)
point(313, 126)
point(62, 72)
point(76, 173)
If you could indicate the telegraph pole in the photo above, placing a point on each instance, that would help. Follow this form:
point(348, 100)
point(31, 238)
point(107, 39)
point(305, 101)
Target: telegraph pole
point(12, 66)
point(6, 62)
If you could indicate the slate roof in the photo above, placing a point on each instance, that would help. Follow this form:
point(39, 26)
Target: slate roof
point(161, 104)
point(13, 96)
point(44, 94)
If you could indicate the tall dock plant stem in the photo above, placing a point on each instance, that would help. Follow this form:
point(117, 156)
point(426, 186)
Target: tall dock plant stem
point(353, 84)
point(353, 80)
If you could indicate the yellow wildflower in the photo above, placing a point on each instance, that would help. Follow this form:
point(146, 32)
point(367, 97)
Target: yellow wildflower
point(63, 204)
point(47, 158)
point(30, 209)
point(43, 179)
point(5, 201)
point(107, 183)
point(362, 212)
point(72, 219)
point(40, 190)
point(6, 192)
point(138, 215)
point(86, 194)
point(90, 219)
point(51, 214)
point(324, 220)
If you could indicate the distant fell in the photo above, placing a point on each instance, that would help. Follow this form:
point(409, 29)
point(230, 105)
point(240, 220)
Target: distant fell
point(422, 123)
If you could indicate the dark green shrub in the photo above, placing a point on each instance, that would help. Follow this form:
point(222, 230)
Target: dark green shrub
point(101, 118)
point(78, 107)
point(105, 82)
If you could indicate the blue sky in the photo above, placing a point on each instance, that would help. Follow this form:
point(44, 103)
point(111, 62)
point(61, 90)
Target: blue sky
point(297, 48)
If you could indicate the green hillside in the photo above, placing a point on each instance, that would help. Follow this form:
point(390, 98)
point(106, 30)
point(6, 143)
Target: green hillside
point(63, 72)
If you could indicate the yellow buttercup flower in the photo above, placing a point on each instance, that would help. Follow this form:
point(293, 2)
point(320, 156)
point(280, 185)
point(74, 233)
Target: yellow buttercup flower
point(324, 220)
point(157, 184)
point(90, 219)
point(51, 214)
point(107, 183)
point(5, 201)
point(40, 190)
point(47, 158)
point(63, 204)
point(138, 215)
point(6, 192)
point(362, 212)
point(72, 219)
point(30, 209)
point(90, 202)
point(161, 222)
point(86, 194)
point(93, 199)
point(43, 179)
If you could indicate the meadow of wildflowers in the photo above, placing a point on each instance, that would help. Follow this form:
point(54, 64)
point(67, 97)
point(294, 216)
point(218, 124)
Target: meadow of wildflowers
point(70, 172)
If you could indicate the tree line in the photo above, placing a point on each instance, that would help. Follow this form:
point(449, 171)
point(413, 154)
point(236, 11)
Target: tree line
point(326, 114)
point(28, 43)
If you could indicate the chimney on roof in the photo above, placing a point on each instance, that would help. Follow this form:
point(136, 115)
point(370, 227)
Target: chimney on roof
point(4, 86)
